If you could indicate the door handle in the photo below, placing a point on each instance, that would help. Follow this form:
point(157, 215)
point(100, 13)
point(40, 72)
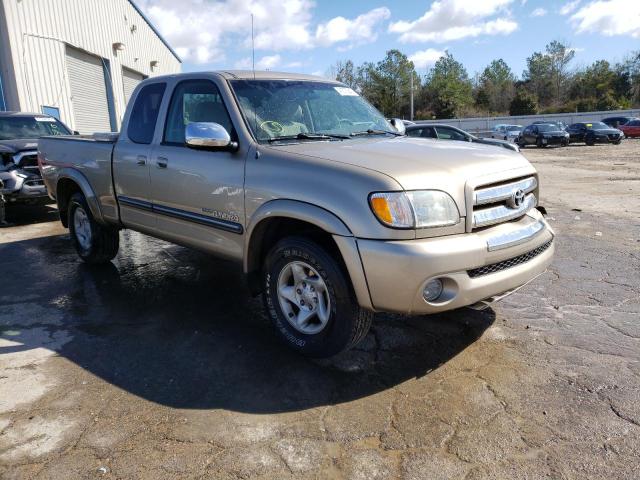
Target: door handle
point(162, 162)
point(142, 160)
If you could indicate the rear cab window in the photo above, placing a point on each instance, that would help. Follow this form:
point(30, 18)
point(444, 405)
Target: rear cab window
point(144, 115)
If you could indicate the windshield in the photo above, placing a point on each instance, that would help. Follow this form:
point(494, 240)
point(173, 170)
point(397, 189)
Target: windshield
point(598, 126)
point(283, 108)
point(512, 128)
point(30, 127)
point(547, 128)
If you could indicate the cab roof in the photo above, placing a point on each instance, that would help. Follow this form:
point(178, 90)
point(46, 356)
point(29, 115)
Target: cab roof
point(268, 75)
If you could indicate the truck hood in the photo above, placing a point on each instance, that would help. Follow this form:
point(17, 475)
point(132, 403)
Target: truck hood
point(418, 163)
point(18, 145)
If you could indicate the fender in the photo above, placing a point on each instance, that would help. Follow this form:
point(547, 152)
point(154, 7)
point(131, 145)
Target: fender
point(321, 218)
point(296, 210)
point(82, 182)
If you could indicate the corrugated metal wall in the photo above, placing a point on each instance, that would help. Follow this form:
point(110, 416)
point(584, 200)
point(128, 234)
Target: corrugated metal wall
point(40, 30)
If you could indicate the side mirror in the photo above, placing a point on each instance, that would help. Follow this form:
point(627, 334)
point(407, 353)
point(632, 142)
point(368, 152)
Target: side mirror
point(76, 132)
point(208, 135)
point(398, 125)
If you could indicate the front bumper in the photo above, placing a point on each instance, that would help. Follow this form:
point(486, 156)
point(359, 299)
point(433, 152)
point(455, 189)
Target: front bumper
point(473, 266)
point(606, 139)
point(554, 140)
point(23, 188)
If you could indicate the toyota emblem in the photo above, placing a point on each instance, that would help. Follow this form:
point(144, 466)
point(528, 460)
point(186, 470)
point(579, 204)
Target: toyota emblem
point(517, 199)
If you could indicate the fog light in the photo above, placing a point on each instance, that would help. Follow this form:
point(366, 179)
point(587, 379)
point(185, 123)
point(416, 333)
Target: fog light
point(432, 290)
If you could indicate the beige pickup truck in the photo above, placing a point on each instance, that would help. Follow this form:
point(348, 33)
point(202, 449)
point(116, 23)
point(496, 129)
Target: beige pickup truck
point(333, 212)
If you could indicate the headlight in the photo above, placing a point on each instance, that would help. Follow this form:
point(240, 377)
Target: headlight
point(415, 209)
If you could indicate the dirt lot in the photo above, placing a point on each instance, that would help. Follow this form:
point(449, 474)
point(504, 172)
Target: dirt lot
point(161, 366)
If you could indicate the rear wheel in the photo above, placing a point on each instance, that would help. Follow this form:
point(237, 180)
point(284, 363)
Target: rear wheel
point(539, 143)
point(94, 243)
point(310, 301)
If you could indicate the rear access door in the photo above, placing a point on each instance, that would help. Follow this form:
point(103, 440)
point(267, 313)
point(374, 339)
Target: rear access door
point(131, 157)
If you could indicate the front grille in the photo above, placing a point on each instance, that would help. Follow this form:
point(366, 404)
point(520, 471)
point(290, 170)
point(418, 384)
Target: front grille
point(511, 262)
point(493, 204)
point(29, 162)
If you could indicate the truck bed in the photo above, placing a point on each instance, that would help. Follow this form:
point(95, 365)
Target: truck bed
point(88, 156)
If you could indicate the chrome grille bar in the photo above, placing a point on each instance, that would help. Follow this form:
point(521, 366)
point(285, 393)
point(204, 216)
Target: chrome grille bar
point(502, 213)
point(516, 237)
point(498, 193)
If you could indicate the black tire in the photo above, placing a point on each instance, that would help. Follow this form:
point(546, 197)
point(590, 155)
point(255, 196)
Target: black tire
point(348, 323)
point(104, 241)
point(589, 141)
point(539, 143)
point(521, 144)
point(617, 142)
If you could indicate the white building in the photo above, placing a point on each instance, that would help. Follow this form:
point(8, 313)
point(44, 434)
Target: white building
point(78, 60)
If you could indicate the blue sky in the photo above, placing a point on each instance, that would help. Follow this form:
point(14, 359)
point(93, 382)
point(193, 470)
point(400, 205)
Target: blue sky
point(309, 36)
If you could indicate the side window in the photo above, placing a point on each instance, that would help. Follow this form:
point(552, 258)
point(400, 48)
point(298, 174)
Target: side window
point(449, 134)
point(428, 132)
point(142, 122)
point(194, 101)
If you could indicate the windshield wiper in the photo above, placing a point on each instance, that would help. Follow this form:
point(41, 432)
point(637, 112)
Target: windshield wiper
point(375, 132)
point(308, 136)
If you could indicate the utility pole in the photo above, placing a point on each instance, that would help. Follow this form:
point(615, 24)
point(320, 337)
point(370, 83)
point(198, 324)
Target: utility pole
point(411, 98)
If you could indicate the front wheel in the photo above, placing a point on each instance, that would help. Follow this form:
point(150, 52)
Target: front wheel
point(94, 243)
point(309, 299)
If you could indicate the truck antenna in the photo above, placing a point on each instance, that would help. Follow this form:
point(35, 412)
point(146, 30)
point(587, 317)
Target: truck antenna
point(253, 51)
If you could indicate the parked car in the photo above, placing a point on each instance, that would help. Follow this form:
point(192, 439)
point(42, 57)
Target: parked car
point(631, 129)
point(615, 122)
point(594, 132)
point(447, 132)
point(331, 213)
point(561, 125)
point(542, 135)
point(19, 133)
point(509, 133)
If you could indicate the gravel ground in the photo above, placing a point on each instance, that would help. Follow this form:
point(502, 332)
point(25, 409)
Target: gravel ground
point(162, 366)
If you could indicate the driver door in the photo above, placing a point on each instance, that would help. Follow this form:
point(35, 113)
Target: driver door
point(198, 194)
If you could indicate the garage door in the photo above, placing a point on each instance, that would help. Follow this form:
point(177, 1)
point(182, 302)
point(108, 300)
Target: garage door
point(88, 92)
point(130, 81)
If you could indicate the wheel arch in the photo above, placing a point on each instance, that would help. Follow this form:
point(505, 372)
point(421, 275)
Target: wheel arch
point(69, 182)
point(280, 218)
